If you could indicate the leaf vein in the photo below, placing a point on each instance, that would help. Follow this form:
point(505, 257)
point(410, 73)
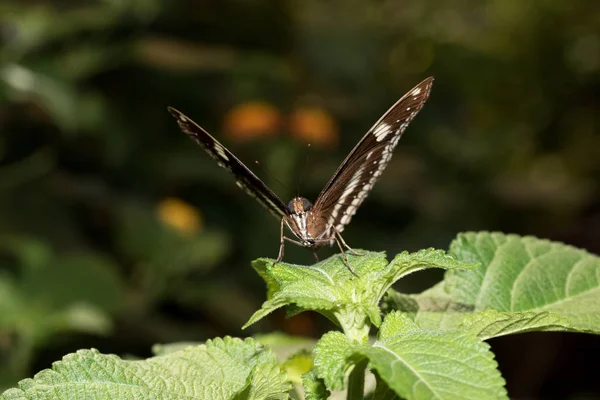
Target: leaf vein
point(322, 272)
point(398, 359)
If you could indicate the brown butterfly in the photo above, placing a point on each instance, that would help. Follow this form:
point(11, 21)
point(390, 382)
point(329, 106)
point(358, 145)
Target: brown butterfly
point(321, 223)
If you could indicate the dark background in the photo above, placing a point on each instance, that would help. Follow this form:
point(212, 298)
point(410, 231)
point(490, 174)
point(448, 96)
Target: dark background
point(117, 232)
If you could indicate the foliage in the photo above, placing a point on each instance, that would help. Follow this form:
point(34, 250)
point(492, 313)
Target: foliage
point(411, 356)
point(220, 369)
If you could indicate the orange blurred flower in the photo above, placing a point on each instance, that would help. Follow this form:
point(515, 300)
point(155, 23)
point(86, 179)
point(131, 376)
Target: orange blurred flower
point(179, 215)
point(300, 325)
point(314, 125)
point(252, 120)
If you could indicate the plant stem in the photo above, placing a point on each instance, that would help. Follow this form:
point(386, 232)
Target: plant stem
point(356, 381)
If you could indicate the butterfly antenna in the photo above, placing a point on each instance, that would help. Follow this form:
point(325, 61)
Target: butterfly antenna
point(263, 169)
point(303, 170)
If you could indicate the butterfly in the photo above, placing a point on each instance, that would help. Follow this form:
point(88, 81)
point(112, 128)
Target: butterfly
point(321, 223)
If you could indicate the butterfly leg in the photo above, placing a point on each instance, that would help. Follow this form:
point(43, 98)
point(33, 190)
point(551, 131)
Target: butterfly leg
point(281, 244)
point(293, 241)
point(315, 254)
point(341, 239)
point(282, 239)
point(345, 258)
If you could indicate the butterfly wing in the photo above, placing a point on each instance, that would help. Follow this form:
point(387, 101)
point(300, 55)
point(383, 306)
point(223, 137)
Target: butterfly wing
point(353, 180)
point(245, 178)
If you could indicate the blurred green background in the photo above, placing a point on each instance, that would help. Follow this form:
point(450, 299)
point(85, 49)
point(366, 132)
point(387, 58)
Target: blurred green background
point(118, 232)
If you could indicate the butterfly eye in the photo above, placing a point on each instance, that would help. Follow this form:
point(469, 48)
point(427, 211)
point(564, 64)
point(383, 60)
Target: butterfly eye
point(291, 206)
point(306, 204)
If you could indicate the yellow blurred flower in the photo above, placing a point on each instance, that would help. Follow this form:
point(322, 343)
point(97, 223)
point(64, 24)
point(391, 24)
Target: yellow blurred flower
point(314, 126)
point(179, 215)
point(298, 365)
point(252, 120)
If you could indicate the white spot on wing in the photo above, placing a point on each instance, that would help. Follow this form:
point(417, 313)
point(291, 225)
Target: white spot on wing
point(352, 196)
point(347, 192)
point(220, 151)
point(382, 130)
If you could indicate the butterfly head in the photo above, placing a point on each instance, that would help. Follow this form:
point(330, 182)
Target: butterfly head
point(299, 210)
point(299, 206)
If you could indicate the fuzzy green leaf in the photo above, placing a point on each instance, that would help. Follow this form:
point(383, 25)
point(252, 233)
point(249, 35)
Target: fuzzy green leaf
point(267, 381)
point(520, 274)
point(314, 387)
point(489, 324)
point(334, 359)
point(437, 365)
point(395, 323)
point(329, 288)
point(432, 309)
point(220, 369)
point(415, 363)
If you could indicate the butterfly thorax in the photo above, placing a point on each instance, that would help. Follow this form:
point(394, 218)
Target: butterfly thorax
point(306, 225)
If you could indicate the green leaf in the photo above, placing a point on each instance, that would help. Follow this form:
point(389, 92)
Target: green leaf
point(314, 387)
point(437, 365)
point(406, 263)
point(267, 381)
point(394, 324)
point(432, 309)
point(519, 274)
point(415, 363)
point(335, 356)
point(434, 299)
point(489, 324)
point(426, 364)
point(329, 288)
point(220, 369)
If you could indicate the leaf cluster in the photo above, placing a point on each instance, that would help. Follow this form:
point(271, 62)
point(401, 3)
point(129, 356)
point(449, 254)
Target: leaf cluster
point(429, 345)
